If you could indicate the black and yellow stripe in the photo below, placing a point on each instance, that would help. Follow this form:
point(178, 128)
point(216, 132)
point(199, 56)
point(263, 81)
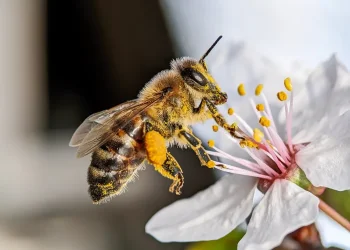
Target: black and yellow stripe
point(115, 163)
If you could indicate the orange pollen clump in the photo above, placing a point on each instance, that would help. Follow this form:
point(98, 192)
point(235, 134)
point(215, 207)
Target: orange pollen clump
point(155, 148)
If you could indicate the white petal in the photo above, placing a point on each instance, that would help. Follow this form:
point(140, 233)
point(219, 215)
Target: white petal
point(284, 208)
point(326, 160)
point(325, 95)
point(332, 234)
point(208, 215)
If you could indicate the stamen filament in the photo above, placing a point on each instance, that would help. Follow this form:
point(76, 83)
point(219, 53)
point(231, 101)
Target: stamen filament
point(236, 170)
point(282, 149)
point(283, 160)
point(272, 152)
point(268, 131)
point(248, 164)
point(289, 123)
point(278, 163)
point(262, 164)
point(244, 124)
point(334, 215)
point(268, 110)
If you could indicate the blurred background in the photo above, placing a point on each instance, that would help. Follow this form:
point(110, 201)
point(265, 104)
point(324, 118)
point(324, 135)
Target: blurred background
point(60, 61)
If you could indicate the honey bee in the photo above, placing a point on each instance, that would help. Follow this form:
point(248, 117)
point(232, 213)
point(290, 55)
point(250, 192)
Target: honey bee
point(122, 138)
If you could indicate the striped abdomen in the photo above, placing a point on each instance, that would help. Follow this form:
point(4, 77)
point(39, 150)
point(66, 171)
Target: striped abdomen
point(115, 163)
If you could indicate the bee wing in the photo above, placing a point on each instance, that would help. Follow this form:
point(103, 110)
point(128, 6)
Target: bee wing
point(98, 128)
point(96, 122)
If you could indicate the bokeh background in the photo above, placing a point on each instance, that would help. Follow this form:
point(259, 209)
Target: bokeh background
point(63, 60)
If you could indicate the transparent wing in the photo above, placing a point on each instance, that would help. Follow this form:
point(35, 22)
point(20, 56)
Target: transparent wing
point(98, 128)
point(96, 121)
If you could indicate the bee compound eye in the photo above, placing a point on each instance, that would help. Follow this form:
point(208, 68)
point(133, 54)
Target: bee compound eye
point(198, 78)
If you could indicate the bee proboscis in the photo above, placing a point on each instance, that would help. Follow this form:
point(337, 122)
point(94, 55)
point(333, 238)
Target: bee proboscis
point(122, 138)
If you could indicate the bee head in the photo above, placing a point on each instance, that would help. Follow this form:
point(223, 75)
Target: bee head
point(198, 79)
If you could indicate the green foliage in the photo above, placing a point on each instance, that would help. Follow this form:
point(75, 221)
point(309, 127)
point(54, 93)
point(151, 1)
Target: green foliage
point(229, 242)
point(340, 201)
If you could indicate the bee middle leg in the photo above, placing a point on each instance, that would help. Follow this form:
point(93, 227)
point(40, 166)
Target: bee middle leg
point(197, 147)
point(172, 170)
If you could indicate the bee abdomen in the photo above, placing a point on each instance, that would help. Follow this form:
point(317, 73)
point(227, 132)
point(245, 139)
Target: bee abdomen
point(109, 173)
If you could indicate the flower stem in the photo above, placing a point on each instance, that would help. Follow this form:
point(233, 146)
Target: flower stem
point(334, 215)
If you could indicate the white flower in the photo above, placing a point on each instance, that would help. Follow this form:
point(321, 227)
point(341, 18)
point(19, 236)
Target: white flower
point(320, 149)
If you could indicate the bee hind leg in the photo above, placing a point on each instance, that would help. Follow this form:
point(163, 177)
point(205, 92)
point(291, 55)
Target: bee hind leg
point(172, 170)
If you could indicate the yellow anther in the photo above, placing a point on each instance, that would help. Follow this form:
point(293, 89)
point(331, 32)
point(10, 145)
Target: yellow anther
point(249, 144)
point(215, 128)
point(211, 143)
point(260, 107)
point(258, 135)
point(230, 111)
point(211, 164)
point(155, 146)
point(264, 121)
point(241, 90)
point(282, 96)
point(234, 125)
point(288, 84)
point(258, 89)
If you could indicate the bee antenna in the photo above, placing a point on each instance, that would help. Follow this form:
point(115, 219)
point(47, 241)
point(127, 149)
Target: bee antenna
point(210, 49)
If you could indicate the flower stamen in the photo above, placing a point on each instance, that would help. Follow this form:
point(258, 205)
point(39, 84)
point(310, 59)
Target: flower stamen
point(260, 107)
point(282, 96)
point(215, 128)
point(259, 89)
point(288, 84)
point(237, 170)
point(230, 111)
point(241, 90)
point(258, 135)
point(264, 121)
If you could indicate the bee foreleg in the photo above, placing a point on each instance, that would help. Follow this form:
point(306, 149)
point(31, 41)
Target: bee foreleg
point(172, 170)
point(221, 121)
point(197, 147)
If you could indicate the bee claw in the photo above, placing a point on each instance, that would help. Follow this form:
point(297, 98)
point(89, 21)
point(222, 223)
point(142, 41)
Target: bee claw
point(177, 184)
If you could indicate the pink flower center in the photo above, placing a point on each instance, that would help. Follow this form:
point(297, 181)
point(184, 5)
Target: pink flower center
point(272, 157)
